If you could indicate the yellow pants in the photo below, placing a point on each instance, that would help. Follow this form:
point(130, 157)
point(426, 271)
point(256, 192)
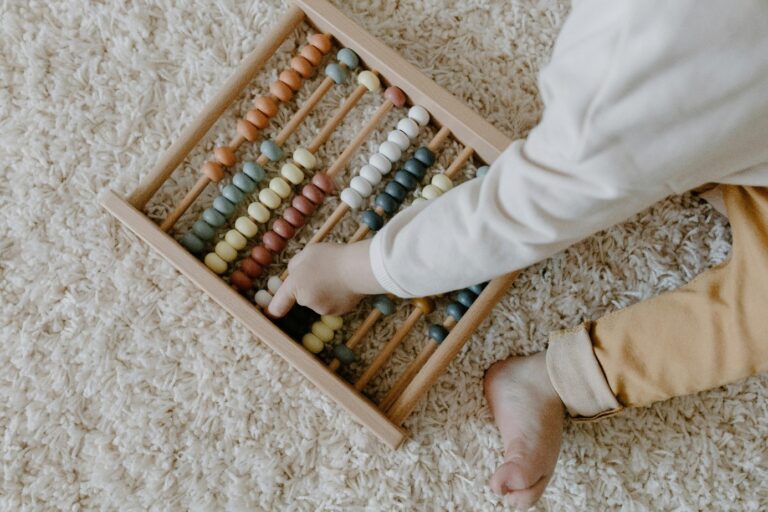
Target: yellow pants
point(706, 334)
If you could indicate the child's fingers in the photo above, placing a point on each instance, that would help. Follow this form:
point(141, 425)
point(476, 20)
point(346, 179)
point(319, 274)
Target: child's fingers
point(283, 300)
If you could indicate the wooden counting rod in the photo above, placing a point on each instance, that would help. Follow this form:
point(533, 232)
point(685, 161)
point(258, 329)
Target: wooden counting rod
point(382, 306)
point(358, 335)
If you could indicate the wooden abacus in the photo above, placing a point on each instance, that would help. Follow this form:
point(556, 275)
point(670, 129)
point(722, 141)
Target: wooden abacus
point(232, 291)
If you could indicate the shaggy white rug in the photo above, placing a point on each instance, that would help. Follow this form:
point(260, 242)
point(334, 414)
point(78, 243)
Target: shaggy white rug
point(123, 387)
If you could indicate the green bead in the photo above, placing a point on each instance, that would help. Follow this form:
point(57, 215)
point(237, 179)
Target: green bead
point(271, 150)
point(348, 58)
point(254, 171)
point(344, 354)
point(243, 182)
point(437, 332)
point(336, 73)
point(425, 156)
point(192, 243)
point(224, 206)
point(387, 203)
point(372, 219)
point(384, 304)
point(406, 179)
point(466, 298)
point(482, 171)
point(234, 194)
point(414, 167)
point(455, 310)
point(214, 218)
point(396, 190)
point(203, 230)
point(478, 288)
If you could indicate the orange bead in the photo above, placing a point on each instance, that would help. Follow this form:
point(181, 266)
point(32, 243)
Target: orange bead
point(395, 96)
point(291, 78)
point(246, 130)
point(225, 156)
point(261, 255)
point(251, 267)
point(240, 280)
point(302, 66)
point(281, 91)
point(321, 41)
point(425, 305)
point(266, 105)
point(214, 171)
point(312, 54)
point(257, 118)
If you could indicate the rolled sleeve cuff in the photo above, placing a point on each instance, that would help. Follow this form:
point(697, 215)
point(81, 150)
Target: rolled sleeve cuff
point(376, 257)
point(577, 376)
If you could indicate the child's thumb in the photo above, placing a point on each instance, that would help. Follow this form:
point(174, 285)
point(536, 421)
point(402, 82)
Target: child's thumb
point(283, 300)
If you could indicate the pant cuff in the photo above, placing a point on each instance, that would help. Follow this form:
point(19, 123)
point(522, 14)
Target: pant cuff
point(577, 376)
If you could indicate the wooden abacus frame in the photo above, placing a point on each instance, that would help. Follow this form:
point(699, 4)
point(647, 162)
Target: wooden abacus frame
point(446, 111)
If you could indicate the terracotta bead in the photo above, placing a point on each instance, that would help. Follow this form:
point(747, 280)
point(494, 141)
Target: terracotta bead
point(225, 156)
point(303, 205)
point(247, 130)
point(281, 91)
point(302, 66)
point(257, 118)
point(312, 54)
point(425, 305)
point(313, 193)
point(240, 280)
point(291, 78)
point(321, 41)
point(294, 217)
point(214, 171)
point(250, 267)
point(395, 96)
point(283, 228)
point(261, 255)
point(323, 182)
point(266, 105)
point(273, 242)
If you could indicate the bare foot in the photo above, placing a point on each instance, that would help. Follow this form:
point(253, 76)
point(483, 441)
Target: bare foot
point(530, 417)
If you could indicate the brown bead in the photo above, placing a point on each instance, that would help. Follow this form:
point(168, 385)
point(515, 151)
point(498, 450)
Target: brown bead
point(291, 78)
point(257, 118)
point(425, 305)
point(294, 216)
point(283, 228)
point(246, 130)
point(281, 91)
point(225, 156)
point(302, 66)
point(239, 280)
point(261, 255)
point(312, 54)
point(314, 194)
point(321, 41)
point(303, 205)
point(266, 105)
point(273, 241)
point(323, 182)
point(395, 96)
point(251, 267)
point(214, 171)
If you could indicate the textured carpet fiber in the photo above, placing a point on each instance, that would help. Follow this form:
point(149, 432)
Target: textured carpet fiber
point(123, 387)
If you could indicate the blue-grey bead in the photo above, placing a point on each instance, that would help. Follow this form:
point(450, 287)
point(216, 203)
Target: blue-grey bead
point(348, 58)
point(466, 298)
point(406, 179)
point(214, 218)
point(387, 203)
point(203, 230)
point(224, 206)
point(414, 167)
point(396, 190)
point(384, 304)
point(192, 243)
point(271, 150)
point(372, 219)
point(243, 182)
point(336, 73)
point(455, 310)
point(437, 333)
point(425, 156)
point(254, 171)
point(482, 171)
point(344, 354)
point(478, 288)
point(234, 194)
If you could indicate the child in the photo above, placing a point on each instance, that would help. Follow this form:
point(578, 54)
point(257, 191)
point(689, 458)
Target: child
point(643, 100)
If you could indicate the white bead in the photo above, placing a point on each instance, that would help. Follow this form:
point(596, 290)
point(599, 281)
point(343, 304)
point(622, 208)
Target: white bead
point(419, 114)
point(258, 212)
point(442, 182)
point(263, 298)
point(273, 284)
point(361, 186)
point(390, 150)
point(304, 158)
point(431, 192)
point(418, 200)
point(409, 127)
point(380, 162)
point(351, 198)
point(399, 138)
point(371, 174)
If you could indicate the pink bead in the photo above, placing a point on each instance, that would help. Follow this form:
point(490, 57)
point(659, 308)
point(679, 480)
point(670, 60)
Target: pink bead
point(313, 193)
point(273, 241)
point(304, 205)
point(395, 96)
point(294, 216)
point(283, 228)
point(261, 255)
point(323, 182)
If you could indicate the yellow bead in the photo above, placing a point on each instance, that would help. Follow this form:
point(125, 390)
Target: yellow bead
point(431, 192)
point(214, 262)
point(312, 343)
point(369, 80)
point(269, 198)
point(334, 322)
point(322, 331)
point(292, 173)
point(246, 227)
point(442, 182)
point(235, 239)
point(258, 212)
point(305, 159)
point(280, 187)
point(225, 251)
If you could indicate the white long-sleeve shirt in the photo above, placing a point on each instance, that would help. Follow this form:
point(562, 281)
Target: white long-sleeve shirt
point(642, 100)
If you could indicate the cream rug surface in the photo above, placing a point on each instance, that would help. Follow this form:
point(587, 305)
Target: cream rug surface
point(124, 387)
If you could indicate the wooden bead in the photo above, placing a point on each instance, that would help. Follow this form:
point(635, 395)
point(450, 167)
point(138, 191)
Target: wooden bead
point(425, 156)
point(372, 219)
point(382, 163)
point(251, 267)
point(273, 242)
point(236, 239)
point(415, 167)
point(332, 321)
point(225, 156)
point(281, 91)
point(214, 171)
point(226, 251)
point(466, 298)
point(456, 310)
point(348, 57)
point(336, 72)
point(396, 190)
point(254, 171)
point(351, 198)
point(395, 96)
point(312, 343)
point(431, 192)
point(258, 212)
point(269, 198)
point(273, 284)
point(371, 174)
point(262, 298)
point(214, 218)
point(266, 105)
point(233, 194)
point(482, 171)
point(437, 332)
point(291, 78)
point(399, 138)
point(305, 158)
point(321, 41)
point(406, 179)
point(257, 118)
point(192, 243)
point(271, 150)
point(322, 331)
point(425, 305)
point(314, 194)
point(224, 206)
point(247, 130)
point(409, 127)
point(384, 304)
point(361, 186)
point(292, 173)
point(302, 66)
point(369, 80)
point(323, 182)
point(244, 182)
point(280, 187)
point(240, 280)
point(203, 230)
point(419, 114)
point(312, 54)
point(418, 201)
point(303, 205)
point(283, 228)
point(261, 255)
point(214, 262)
point(344, 354)
point(246, 226)
point(387, 203)
point(390, 150)
point(442, 182)
point(294, 217)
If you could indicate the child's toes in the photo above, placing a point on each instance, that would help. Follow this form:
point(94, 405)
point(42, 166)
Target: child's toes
point(526, 498)
point(522, 486)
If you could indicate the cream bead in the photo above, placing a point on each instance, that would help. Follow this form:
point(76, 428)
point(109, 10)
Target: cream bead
point(214, 262)
point(322, 331)
point(235, 239)
point(269, 198)
point(380, 162)
point(409, 127)
point(361, 186)
point(258, 212)
point(262, 298)
point(246, 226)
point(332, 321)
point(304, 158)
point(399, 138)
point(273, 284)
point(371, 174)
point(292, 173)
point(351, 198)
point(225, 251)
point(431, 192)
point(312, 343)
point(419, 114)
point(418, 200)
point(442, 182)
point(390, 150)
point(280, 187)
point(369, 80)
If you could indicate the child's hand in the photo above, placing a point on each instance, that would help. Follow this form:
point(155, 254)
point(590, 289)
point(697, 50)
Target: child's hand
point(327, 278)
